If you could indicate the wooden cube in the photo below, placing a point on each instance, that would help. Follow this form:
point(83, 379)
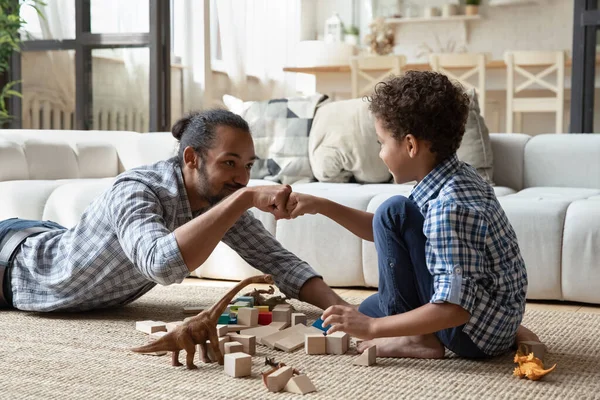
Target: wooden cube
point(211, 355)
point(246, 299)
point(278, 379)
point(537, 348)
point(300, 384)
point(238, 364)
point(259, 332)
point(298, 318)
point(150, 326)
point(280, 325)
point(248, 316)
point(262, 309)
point(282, 315)
point(315, 343)
point(338, 343)
point(192, 310)
point(222, 330)
point(233, 347)
point(172, 325)
point(265, 318)
point(248, 342)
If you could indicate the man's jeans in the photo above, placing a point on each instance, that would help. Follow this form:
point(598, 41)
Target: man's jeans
point(405, 283)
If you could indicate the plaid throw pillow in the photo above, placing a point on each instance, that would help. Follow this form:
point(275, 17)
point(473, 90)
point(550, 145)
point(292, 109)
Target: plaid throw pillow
point(280, 129)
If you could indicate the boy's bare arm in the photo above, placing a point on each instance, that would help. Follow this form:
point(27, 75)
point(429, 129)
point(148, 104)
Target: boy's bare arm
point(426, 319)
point(356, 221)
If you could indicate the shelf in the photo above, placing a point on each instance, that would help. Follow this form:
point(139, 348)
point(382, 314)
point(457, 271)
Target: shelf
point(459, 18)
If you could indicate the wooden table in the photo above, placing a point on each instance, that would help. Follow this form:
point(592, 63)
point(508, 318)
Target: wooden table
point(494, 64)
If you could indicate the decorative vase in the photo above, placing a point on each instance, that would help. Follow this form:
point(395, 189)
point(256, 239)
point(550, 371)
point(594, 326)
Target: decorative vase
point(449, 10)
point(431, 12)
point(471, 10)
point(351, 39)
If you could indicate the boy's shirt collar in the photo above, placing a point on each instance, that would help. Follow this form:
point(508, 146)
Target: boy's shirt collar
point(431, 185)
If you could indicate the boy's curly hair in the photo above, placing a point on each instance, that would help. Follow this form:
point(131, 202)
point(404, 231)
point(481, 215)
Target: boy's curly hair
point(425, 104)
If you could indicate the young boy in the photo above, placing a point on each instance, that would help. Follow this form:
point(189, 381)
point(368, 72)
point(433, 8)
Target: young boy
point(451, 273)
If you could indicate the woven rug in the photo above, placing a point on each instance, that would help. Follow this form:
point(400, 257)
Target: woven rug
point(86, 355)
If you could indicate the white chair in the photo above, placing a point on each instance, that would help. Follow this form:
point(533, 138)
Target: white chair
point(516, 62)
point(474, 63)
point(365, 66)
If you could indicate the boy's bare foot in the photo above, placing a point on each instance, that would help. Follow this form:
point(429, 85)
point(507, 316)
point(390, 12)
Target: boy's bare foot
point(425, 346)
point(525, 335)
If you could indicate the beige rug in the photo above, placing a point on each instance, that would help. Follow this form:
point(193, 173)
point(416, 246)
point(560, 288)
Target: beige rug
point(48, 356)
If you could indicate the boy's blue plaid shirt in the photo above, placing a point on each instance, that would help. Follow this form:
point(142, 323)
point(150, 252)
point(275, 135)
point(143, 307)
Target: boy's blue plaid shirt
point(472, 253)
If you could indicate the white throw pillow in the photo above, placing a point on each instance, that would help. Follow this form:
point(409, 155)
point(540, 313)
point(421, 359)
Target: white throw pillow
point(343, 143)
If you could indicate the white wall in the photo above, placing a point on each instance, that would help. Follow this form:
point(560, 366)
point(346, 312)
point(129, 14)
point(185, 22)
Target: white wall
point(527, 26)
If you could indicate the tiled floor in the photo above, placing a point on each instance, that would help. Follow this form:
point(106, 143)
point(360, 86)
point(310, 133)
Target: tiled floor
point(362, 293)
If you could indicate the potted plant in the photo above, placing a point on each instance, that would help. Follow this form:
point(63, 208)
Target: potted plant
point(472, 7)
point(10, 42)
point(351, 35)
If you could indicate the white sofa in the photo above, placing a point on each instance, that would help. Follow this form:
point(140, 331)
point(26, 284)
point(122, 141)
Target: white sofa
point(549, 186)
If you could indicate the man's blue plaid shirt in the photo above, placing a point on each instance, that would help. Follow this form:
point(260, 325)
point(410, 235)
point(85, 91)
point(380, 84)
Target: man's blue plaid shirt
point(124, 245)
point(472, 253)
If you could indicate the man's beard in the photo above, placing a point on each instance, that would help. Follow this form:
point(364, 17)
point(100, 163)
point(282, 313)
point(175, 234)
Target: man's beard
point(205, 191)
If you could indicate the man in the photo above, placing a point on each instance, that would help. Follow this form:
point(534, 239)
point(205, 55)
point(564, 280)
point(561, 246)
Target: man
point(155, 225)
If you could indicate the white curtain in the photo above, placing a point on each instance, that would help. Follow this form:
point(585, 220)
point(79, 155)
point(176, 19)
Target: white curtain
point(258, 38)
point(59, 24)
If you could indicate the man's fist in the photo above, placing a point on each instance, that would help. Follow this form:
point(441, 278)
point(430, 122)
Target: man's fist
point(272, 199)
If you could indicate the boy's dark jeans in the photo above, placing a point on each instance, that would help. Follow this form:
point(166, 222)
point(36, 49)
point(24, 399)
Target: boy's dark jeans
point(405, 283)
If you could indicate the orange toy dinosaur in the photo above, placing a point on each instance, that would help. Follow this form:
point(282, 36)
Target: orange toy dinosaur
point(199, 329)
point(530, 367)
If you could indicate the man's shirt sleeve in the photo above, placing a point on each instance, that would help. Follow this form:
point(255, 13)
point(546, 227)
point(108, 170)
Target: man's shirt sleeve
point(249, 238)
point(137, 217)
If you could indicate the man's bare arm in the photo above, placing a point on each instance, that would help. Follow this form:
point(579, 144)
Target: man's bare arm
point(198, 238)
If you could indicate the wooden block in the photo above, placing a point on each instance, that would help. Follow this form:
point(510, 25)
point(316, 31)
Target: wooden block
point(368, 357)
point(319, 325)
point(223, 319)
point(155, 336)
point(238, 305)
point(283, 306)
point(537, 348)
point(233, 347)
point(263, 309)
point(150, 326)
point(248, 316)
point(172, 325)
point(282, 315)
point(246, 299)
point(192, 310)
point(278, 379)
point(211, 354)
point(238, 364)
point(315, 343)
point(265, 318)
point(259, 332)
point(222, 330)
point(298, 318)
point(279, 325)
point(338, 343)
point(248, 342)
point(295, 339)
point(270, 340)
point(300, 384)
point(236, 327)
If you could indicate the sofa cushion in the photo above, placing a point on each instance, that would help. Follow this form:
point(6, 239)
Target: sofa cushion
point(476, 147)
point(538, 225)
point(280, 128)
point(556, 193)
point(343, 143)
point(571, 160)
point(509, 158)
point(580, 256)
point(26, 199)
